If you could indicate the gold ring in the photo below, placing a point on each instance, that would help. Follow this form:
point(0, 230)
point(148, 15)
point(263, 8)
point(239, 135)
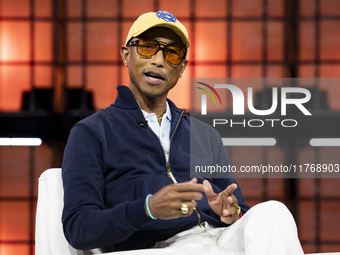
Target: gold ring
point(184, 208)
point(238, 209)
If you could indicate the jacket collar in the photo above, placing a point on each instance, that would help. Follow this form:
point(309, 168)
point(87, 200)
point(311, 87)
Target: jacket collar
point(125, 99)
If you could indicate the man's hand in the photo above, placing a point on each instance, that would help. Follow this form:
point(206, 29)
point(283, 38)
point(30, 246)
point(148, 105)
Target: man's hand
point(222, 203)
point(166, 203)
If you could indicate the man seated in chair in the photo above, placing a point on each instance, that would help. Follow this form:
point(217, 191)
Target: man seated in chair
point(126, 168)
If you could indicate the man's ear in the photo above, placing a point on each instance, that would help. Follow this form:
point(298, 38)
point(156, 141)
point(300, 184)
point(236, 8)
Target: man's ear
point(124, 53)
point(183, 66)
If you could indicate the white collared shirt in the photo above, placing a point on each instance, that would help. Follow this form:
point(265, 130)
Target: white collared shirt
point(163, 130)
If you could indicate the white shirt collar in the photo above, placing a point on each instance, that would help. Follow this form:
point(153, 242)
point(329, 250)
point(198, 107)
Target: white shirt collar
point(166, 115)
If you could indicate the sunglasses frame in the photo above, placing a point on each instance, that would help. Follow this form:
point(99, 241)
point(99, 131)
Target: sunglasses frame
point(136, 42)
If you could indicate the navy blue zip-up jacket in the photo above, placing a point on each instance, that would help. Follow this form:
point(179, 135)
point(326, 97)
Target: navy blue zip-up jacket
point(112, 162)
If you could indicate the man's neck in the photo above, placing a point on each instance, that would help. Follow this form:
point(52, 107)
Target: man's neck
point(152, 105)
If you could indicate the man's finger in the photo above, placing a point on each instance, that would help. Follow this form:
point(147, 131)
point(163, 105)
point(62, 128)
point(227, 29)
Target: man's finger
point(190, 196)
point(230, 189)
point(228, 194)
point(188, 186)
point(231, 211)
point(232, 199)
point(209, 192)
point(193, 180)
point(229, 219)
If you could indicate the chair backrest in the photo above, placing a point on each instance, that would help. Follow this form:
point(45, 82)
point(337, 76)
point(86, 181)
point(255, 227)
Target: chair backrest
point(49, 236)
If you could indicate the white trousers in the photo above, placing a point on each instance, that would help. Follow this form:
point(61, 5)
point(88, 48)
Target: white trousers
point(266, 229)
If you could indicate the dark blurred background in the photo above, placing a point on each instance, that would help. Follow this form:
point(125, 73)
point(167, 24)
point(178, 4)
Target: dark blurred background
point(60, 61)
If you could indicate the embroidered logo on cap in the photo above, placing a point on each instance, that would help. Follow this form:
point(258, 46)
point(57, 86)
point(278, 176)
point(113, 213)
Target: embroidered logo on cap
point(167, 16)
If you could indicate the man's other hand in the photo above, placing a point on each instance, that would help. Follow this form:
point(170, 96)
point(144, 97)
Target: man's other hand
point(222, 203)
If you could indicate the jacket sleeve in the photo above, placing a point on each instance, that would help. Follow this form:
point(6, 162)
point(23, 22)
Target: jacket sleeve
point(86, 222)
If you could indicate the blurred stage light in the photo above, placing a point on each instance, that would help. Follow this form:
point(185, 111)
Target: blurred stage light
point(20, 141)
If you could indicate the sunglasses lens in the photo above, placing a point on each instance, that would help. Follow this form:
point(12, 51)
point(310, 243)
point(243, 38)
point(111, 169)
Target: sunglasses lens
point(174, 54)
point(147, 47)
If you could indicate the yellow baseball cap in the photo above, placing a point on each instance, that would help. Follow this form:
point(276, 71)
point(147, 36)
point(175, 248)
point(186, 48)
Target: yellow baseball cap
point(158, 19)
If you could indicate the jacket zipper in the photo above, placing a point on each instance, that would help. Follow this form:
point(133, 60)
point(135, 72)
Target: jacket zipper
point(168, 169)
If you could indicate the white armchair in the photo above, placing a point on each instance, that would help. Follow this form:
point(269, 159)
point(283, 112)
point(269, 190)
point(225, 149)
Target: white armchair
point(49, 236)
